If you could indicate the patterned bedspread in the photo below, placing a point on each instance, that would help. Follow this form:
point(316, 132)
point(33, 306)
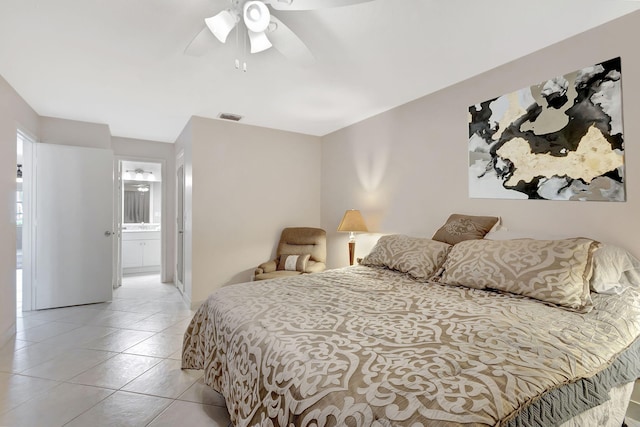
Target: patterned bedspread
point(365, 346)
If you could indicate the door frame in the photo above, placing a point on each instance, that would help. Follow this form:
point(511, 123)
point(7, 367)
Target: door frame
point(179, 164)
point(165, 272)
point(28, 217)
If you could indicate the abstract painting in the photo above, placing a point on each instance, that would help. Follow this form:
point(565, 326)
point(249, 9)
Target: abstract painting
point(559, 140)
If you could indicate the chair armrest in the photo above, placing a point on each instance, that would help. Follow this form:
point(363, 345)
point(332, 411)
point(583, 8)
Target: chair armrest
point(315, 267)
point(266, 267)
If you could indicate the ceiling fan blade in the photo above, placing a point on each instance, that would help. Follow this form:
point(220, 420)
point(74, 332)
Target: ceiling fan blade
point(288, 43)
point(201, 43)
point(310, 4)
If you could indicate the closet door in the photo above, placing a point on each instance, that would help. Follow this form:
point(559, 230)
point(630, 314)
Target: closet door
point(73, 225)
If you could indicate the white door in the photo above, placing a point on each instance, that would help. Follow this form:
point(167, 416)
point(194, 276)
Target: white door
point(73, 225)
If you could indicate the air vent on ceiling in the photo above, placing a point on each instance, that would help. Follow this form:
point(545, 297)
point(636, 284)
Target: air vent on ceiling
point(229, 116)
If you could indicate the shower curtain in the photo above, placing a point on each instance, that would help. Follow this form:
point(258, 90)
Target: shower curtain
point(136, 206)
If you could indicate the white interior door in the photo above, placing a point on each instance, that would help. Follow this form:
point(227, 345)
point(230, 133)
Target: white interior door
point(73, 225)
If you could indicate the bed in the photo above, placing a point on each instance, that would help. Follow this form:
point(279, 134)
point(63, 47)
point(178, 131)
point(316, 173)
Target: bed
point(520, 332)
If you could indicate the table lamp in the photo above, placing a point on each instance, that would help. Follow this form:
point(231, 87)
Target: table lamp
point(352, 222)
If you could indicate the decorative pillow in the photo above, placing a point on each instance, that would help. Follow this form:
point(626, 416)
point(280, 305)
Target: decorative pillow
point(459, 228)
point(614, 270)
point(419, 257)
point(553, 271)
point(294, 262)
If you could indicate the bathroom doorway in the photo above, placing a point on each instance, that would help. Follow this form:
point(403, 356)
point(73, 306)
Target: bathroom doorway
point(140, 217)
point(19, 220)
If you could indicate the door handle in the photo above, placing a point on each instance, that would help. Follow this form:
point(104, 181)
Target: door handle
point(108, 233)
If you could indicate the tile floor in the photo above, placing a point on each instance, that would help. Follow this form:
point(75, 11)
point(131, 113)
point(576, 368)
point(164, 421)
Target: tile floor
point(115, 364)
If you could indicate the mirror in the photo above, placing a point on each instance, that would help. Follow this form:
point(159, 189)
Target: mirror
point(141, 202)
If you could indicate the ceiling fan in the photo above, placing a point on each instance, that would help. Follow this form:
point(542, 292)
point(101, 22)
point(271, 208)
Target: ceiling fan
point(264, 30)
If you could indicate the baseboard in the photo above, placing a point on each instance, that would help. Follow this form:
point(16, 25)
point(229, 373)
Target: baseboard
point(196, 305)
point(7, 335)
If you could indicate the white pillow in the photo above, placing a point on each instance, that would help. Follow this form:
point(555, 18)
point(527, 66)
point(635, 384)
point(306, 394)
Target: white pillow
point(614, 270)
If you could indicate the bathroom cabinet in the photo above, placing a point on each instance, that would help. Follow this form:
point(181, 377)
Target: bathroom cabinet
point(140, 252)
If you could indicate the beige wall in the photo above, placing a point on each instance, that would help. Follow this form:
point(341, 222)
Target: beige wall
point(248, 184)
point(73, 132)
point(406, 169)
point(14, 114)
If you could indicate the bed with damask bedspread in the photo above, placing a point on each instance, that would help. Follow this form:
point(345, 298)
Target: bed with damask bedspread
point(427, 334)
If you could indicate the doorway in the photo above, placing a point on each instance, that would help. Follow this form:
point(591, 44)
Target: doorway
point(19, 220)
point(140, 218)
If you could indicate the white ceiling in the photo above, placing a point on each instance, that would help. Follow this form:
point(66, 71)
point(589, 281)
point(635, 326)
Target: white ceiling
point(121, 62)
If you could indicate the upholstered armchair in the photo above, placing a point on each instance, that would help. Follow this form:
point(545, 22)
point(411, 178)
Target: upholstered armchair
point(300, 250)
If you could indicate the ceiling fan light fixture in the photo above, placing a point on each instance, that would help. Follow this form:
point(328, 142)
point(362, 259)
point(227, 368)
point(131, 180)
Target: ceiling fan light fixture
point(259, 41)
point(222, 24)
point(256, 16)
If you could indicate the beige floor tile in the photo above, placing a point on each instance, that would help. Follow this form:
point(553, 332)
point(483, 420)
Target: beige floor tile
point(77, 337)
point(176, 355)
point(166, 379)
point(119, 340)
point(23, 323)
point(153, 325)
point(45, 331)
point(80, 314)
point(16, 389)
point(57, 406)
point(15, 344)
point(117, 371)
point(115, 319)
point(179, 328)
point(123, 409)
point(159, 345)
point(191, 414)
point(69, 364)
point(28, 357)
point(199, 392)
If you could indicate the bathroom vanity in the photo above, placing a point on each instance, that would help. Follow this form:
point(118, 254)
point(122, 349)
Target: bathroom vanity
point(140, 251)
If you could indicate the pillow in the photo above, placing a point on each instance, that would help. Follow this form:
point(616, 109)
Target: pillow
point(464, 227)
point(419, 257)
point(294, 262)
point(553, 271)
point(614, 270)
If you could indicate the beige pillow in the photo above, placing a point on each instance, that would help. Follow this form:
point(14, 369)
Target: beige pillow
point(294, 262)
point(419, 257)
point(553, 271)
point(459, 228)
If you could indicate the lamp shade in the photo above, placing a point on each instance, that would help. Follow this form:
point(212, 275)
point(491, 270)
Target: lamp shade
point(352, 221)
point(222, 24)
point(259, 41)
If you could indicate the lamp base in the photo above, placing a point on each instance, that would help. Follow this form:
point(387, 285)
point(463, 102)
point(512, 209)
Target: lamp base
point(352, 252)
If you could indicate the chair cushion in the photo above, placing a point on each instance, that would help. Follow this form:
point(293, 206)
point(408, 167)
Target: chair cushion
point(291, 262)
